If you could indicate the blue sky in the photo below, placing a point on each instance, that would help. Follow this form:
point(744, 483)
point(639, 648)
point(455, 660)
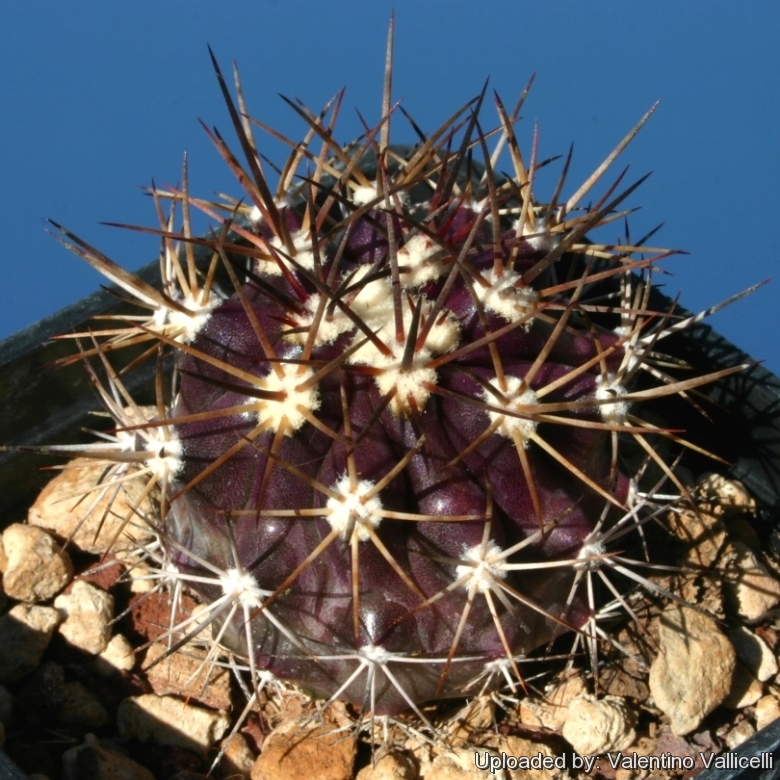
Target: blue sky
point(99, 98)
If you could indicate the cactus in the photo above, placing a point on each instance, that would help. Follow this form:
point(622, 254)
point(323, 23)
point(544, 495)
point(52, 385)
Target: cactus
point(405, 444)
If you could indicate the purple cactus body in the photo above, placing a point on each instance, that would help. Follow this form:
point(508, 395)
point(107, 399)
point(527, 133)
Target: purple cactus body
point(414, 616)
point(394, 463)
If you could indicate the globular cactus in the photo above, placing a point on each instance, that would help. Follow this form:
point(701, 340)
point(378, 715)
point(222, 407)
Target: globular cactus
point(406, 392)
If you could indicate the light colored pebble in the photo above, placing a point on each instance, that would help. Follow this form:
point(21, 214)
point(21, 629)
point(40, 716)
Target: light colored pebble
point(3, 558)
point(519, 747)
point(90, 761)
point(169, 721)
point(185, 674)
point(25, 632)
point(238, 758)
point(117, 657)
point(745, 689)
point(599, 725)
point(37, 568)
point(475, 717)
point(88, 612)
point(461, 764)
point(6, 706)
point(141, 573)
point(742, 732)
point(420, 752)
point(767, 710)
point(750, 590)
point(702, 533)
point(551, 712)
point(81, 707)
point(142, 578)
point(60, 508)
point(295, 751)
point(754, 653)
point(727, 496)
point(390, 766)
point(692, 673)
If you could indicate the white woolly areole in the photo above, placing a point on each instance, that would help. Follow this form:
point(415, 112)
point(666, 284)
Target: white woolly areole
point(538, 235)
point(375, 654)
point(364, 194)
point(409, 384)
point(354, 508)
point(371, 302)
point(302, 254)
point(170, 572)
point(517, 399)
point(256, 216)
point(419, 257)
point(126, 440)
point(183, 327)
point(478, 206)
point(330, 326)
point(507, 296)
point(165, 453)
point(444, 336)
point(593, 551)
point(241, 587)
point(294, 403)
point(612, 390)
point(369, 193)
point(481, 568)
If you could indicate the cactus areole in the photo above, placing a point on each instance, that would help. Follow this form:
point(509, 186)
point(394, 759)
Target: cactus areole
point(395, 459)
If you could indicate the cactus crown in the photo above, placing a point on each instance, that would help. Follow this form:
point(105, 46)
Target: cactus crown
point(401, 448)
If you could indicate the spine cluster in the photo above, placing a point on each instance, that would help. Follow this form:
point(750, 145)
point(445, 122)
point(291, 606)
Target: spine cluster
point(396, 458)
